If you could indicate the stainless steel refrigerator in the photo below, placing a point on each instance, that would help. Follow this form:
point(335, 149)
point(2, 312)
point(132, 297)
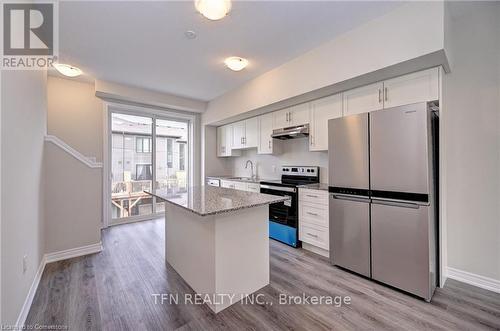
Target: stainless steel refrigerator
point(383, 172)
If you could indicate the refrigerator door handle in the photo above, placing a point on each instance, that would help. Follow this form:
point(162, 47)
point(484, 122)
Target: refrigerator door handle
point(349, 197)
point(398, 203)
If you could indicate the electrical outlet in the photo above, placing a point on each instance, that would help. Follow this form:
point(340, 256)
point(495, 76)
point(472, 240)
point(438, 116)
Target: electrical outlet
point(25, 264)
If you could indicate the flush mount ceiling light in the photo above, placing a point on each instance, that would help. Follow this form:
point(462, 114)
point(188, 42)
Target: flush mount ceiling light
point(213, 9)
point(236, 63)
point(67, 69)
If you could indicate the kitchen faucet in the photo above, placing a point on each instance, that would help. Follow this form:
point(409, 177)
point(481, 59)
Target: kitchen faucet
point(253, 176)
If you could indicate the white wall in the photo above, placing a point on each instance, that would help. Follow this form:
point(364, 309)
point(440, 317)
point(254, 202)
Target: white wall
point(24, 116)
point(75, 115)
point(73, 203)
point(410, 31)
point(292, 152)
point(124, 93)
point(472, 138)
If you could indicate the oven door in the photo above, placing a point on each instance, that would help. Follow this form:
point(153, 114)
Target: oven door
point(285, 213)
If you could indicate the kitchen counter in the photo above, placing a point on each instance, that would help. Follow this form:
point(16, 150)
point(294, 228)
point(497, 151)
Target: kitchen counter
point(217, 239)
point(315, 186)
point(209, 200)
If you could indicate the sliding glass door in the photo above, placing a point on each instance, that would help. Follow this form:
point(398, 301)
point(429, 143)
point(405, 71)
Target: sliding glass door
point(146, 152)
point(171, 157)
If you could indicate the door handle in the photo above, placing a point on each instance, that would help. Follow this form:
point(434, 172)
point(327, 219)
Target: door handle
point(397, 203)
point(349, 197)
point(311, 196)
point(312, 214)
point(269, 143)
point(385, 93)
point(379, 95)
point(286, 117)
point(312, 235)
point(290, 116)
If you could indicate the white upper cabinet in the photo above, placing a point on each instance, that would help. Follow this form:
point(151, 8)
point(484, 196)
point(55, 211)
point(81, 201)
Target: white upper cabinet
point(251, 132)
point(323, 110)
point(416, 87)
point(265, 132)
point(363, 99)
point(238, 134)
point(280, 118)
point(225, 141)
point(246, 133)
point(299, 114)
point(221, 141)
point(296, 115)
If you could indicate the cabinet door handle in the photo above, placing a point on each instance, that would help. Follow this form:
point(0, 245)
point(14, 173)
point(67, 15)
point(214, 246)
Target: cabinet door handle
point(379, 96)
point(312, 214)
point(386, 94)
point(286, 117)
point(312, 235)
point(269, 143)
point(290, 116)
point(311, 196)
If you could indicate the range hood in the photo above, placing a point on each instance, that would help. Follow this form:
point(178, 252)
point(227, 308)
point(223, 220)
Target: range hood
point(291, 132)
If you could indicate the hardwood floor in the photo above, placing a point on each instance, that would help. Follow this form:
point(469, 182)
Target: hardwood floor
point(113, 290)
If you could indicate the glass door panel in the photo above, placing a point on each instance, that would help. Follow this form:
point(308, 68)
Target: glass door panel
point(131, 166)
point(171, 157)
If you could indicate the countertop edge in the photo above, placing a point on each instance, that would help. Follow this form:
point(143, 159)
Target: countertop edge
point(223, 211)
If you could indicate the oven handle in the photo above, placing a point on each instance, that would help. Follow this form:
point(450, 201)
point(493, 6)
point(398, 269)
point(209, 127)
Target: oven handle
point(279, 188)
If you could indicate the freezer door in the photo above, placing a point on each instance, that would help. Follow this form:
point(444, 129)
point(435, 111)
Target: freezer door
point(348, 152)
point(399, 149)
point(350, 233)
point(400, 246)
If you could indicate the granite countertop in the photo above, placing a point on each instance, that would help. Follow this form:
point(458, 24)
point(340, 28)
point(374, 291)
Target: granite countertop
point(315, 186)
point(209, 200)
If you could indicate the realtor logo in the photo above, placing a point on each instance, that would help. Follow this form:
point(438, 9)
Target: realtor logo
point(30, 35)
point(28, 29)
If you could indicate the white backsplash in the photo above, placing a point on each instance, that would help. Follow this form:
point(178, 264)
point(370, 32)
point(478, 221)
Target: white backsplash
point(291, 152)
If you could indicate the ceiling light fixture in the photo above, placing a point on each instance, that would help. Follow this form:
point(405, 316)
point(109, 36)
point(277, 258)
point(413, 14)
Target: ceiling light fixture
point(213, 9)
point(236, 63)
point(67, 69)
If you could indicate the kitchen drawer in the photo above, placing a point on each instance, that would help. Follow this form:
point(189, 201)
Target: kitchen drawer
point(253, 187)
point(313, 235)
point(240, 186)
point(313, 213)
point(314, 196)
point(227, 184)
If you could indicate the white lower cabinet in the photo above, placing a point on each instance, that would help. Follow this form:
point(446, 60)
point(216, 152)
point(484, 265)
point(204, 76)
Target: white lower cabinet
point(228, 184)
point(253, 187)
point(314, 220)
point(242, 186)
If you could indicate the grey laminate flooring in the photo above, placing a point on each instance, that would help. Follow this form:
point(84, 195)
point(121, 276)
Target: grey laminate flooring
point(113, 290)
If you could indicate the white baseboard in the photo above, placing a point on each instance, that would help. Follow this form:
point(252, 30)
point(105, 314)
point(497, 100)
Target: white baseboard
point(73, 252)
point(31, 294)
point(48, 258)
point(473, 279)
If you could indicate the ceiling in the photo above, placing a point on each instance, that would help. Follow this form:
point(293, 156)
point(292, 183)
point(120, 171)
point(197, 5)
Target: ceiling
point(143, 43)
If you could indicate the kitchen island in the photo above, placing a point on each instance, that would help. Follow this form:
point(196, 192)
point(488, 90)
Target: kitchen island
point(217, 239)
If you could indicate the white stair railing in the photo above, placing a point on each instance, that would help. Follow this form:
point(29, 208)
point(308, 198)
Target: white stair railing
point(88, 161)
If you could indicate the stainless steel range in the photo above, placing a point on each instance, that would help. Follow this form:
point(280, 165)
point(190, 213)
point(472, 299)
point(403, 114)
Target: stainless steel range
point(283, 217)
